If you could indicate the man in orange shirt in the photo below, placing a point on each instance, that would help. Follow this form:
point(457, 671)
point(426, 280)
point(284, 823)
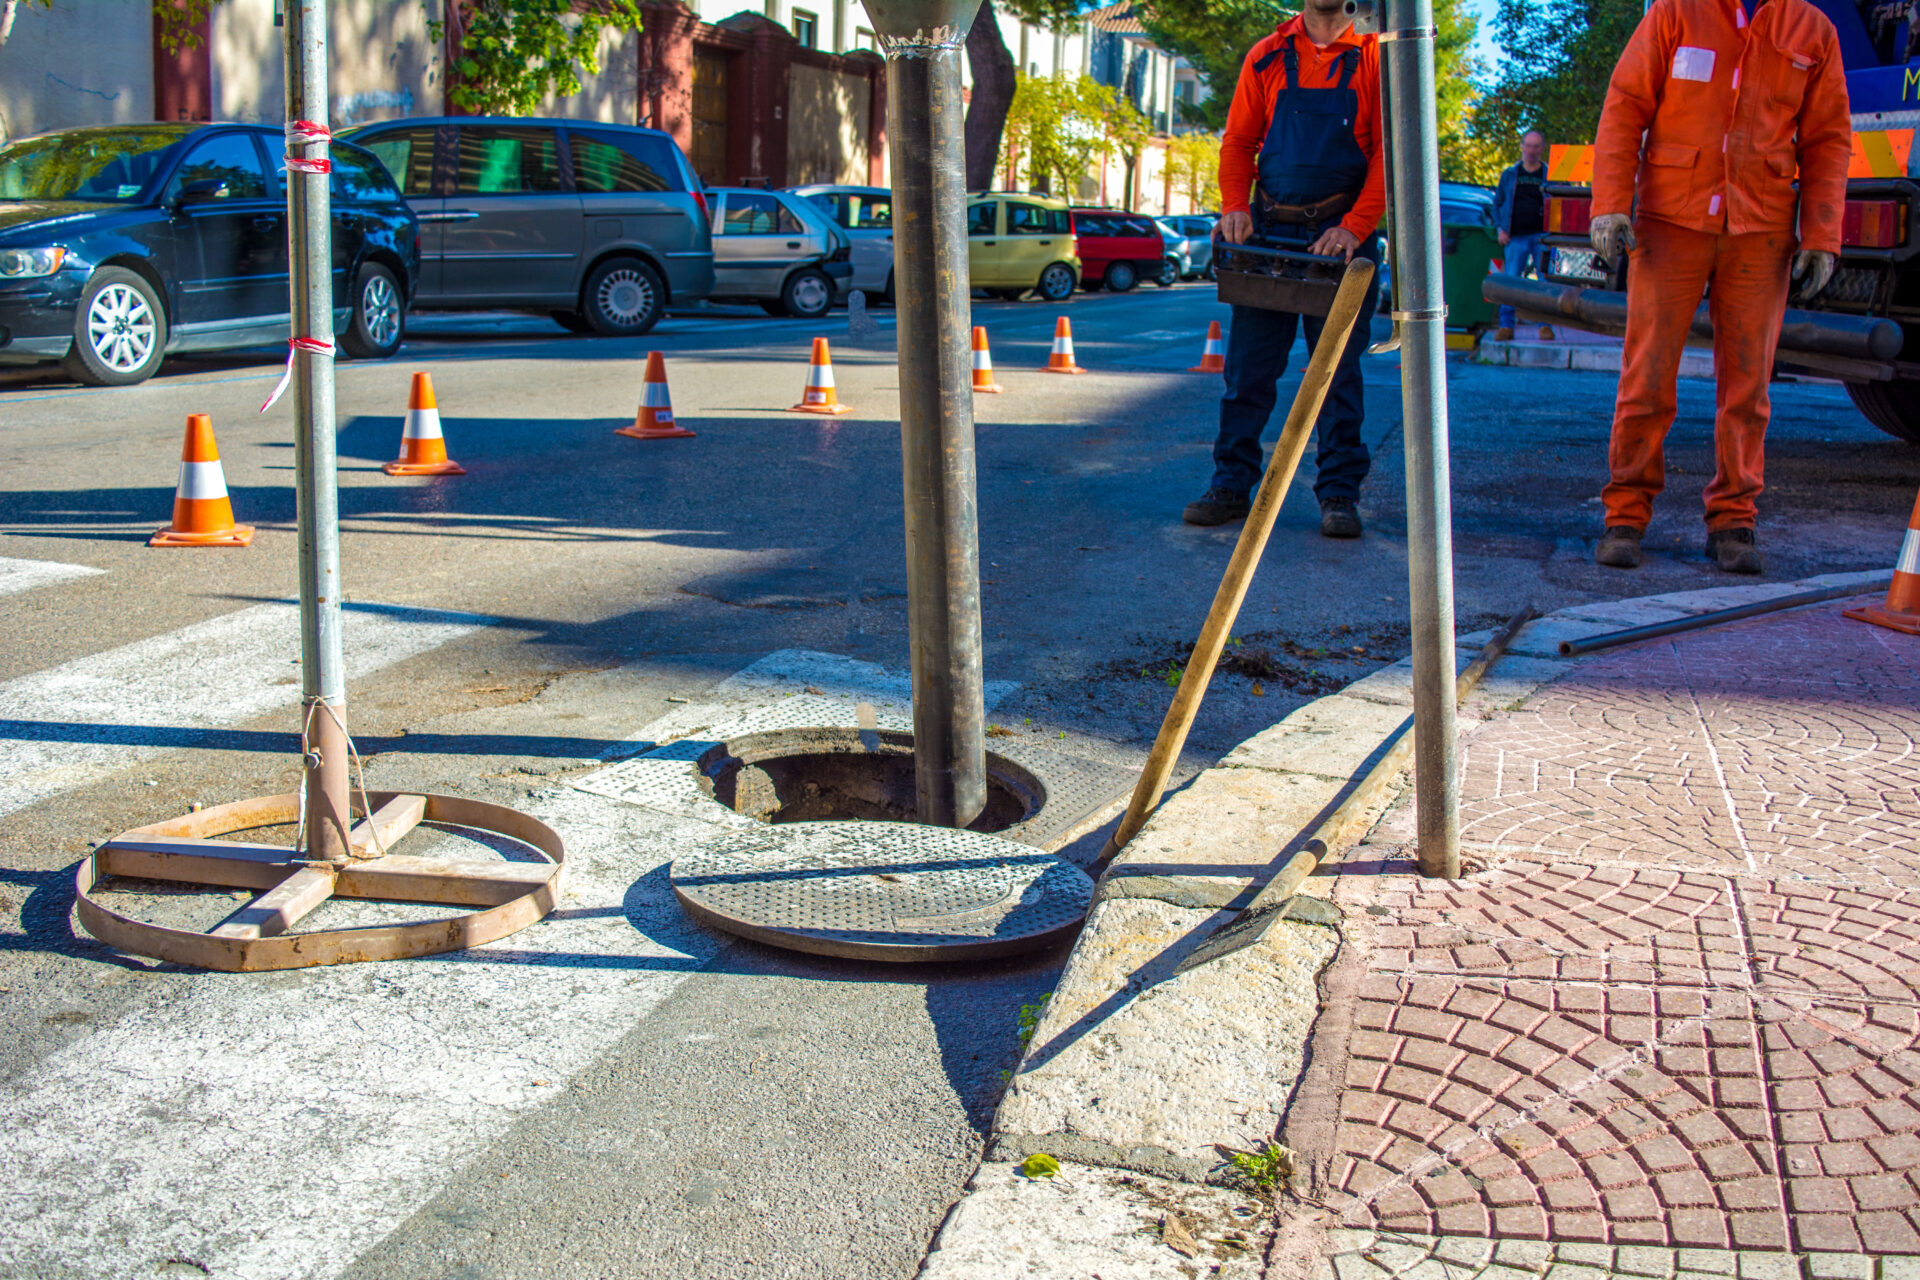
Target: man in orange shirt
point(1300, 168)
point(1714, 106)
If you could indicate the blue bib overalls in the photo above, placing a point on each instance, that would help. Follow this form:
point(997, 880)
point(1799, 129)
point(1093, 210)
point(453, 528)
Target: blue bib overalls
point(1309, 154)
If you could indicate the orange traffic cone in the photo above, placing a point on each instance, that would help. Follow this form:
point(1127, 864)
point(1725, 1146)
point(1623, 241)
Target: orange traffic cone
point(423, 451)
point(1061, 361)
point(655, 421)
point(1214, 358)
point(202, 512)
point(820, 396)
point(983, 364)
point(1901, 612)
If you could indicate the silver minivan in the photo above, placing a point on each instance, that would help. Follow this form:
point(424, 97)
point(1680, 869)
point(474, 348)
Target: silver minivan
point(602, 226)
point(773, 248)
point(866, 215)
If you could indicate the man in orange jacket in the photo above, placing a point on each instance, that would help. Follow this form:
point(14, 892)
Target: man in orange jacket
point(1304, 129)
point(1713, 107)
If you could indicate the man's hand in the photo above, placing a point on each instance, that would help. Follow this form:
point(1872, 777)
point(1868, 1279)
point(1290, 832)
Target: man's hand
point(1812, 268)
point(1504, 237)
point(1236, 228)
point(1335, 240)
point(1612, 236)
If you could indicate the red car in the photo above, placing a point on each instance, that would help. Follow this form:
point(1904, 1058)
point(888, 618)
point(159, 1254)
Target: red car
point(1117, 249)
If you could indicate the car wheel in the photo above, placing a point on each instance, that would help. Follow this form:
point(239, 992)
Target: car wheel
point(623, 298)
point(1056, 282)
point(571, 321)
point(379, 316)
point(119, 331)
point(807, 295)
point(1894, 407)
point(1120, 277)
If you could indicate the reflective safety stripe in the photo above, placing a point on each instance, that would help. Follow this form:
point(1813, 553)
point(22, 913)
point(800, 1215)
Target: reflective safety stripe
point(201, 481)
point(1063, 346)
point(422, 424)
point(1909, 561)
point(654, 396)
point(820, 375)
point(982, 360)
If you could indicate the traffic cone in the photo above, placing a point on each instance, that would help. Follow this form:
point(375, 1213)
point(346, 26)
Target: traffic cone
point(202, 512)
point(1901, 612)
point(655, 419)
point(1061, 361)
point(983, 364)
point(1214, 358)
point(423, 451)
point(820, 396)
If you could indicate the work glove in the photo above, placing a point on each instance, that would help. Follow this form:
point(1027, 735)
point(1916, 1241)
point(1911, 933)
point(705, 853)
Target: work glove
point(1812, 268)
point(1612, 236)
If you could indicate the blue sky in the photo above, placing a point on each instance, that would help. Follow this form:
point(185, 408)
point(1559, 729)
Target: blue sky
point(1483, 43)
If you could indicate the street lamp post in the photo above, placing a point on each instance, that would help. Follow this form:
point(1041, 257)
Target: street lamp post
point(923, 41)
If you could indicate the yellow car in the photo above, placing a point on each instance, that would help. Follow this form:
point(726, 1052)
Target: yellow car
point(1017, 243)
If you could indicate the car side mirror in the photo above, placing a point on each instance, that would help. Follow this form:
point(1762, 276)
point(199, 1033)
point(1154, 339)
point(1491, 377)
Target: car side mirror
point(201, 191)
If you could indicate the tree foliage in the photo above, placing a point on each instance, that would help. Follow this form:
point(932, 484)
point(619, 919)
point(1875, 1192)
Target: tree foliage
point(1213, 35)
point(1057, 125)
point(1560, 55)
point(511, 55)
point(1193, 166)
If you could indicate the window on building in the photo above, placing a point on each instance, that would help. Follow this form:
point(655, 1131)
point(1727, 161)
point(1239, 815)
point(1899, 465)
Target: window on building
point(863, 38)
point(806, 28)
point(496, 160)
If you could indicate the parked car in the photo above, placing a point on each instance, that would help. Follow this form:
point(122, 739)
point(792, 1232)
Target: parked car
point(866, 215)
point(600, 226)
point(1178, 264)
point(1018, 243)
point(779, 250)
point(1198, 229)
point(123, 244)
point(1117, 248)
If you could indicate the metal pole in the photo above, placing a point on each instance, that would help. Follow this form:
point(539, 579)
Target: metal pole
point(923, 41)
point(1407, 45)
point(323, 690)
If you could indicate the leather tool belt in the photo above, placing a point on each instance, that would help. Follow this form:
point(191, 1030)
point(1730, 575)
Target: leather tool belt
point(1317, 213)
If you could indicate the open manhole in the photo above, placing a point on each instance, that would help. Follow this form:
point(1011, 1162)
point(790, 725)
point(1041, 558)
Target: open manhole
point(826, 775)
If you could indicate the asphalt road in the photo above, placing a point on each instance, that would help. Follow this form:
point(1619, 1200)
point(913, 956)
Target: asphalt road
point(759, 1113)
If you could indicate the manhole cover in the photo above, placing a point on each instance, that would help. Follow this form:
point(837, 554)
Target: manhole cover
point(883, 891)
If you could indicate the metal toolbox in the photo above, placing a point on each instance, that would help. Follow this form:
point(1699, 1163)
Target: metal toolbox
point(1254, 275)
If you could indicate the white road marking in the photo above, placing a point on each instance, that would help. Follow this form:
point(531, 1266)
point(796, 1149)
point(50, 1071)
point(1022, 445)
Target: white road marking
point(275, 1127)
point(23, 575)
point(83, 720)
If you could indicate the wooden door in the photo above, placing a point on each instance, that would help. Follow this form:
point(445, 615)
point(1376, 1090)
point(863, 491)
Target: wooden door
point(710, 73)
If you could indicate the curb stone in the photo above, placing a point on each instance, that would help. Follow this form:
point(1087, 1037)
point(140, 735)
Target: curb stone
point(1134, 1068)
point(1695, 362)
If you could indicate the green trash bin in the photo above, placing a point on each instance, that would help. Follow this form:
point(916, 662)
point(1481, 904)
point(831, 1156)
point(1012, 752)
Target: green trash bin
point(1470, 246)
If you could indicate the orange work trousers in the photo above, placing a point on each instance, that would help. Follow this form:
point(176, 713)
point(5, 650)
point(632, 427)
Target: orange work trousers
point(1670, 268)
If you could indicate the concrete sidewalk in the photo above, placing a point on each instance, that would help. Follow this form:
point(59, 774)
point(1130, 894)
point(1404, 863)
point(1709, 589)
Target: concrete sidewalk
point(1677, 1009)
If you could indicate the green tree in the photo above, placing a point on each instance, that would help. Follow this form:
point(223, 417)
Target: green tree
point(1193, 165)
point(510, 55)
point(1213, 35)
point(1124, 131)
point(996, 79)
point(1055, 127)
point(1560, 55)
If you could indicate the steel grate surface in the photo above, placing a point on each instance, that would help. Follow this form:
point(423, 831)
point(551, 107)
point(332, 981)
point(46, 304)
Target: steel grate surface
point(883, 890)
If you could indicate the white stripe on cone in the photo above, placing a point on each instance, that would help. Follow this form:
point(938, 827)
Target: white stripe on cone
point(1063, 346)
point(422, 424)
point(982, 360)
point(1909, 561)
point(820, 375)
point(202, 481)
point(654, 396)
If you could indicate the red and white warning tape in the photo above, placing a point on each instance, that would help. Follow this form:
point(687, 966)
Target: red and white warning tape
point(311, 345)
point(311, 134)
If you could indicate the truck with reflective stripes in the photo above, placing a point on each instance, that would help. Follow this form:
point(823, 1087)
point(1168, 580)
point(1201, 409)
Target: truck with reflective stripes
point(1863, 328)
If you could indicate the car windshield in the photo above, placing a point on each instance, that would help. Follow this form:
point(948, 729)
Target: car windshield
point(87, 164)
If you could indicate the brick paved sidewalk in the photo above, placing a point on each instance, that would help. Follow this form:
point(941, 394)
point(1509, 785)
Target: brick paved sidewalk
point(1679, 1008)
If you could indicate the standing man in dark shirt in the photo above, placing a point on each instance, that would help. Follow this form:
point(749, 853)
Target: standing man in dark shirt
point(1520, 215)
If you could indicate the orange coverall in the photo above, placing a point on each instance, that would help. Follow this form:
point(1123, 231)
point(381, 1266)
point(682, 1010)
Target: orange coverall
point(1708, 116)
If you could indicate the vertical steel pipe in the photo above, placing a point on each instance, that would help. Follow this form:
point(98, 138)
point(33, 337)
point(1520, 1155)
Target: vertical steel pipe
point(1407, 46)
point(923, 40)
point(323, 688)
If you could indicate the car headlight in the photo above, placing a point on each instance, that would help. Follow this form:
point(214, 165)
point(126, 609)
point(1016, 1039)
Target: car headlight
point(25, 264)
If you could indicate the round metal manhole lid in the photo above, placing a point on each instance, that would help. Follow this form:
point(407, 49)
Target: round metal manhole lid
point(883, 891)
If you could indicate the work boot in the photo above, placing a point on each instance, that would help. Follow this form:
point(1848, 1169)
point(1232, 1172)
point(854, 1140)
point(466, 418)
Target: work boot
point(1503, 334)
point(1619, 547)
point(1546, 333)
point(1339, 518)
point(1217, 506)
point(1734, 549)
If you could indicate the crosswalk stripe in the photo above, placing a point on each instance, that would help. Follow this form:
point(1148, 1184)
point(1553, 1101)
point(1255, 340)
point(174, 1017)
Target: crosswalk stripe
point(23, 575)
point(73, 724)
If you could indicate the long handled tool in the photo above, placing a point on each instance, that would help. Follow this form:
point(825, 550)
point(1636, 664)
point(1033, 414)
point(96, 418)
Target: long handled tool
point(1287, 452)
point(1275, 901)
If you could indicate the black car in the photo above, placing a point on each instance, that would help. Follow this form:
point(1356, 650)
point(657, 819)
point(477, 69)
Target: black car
point(122, 243)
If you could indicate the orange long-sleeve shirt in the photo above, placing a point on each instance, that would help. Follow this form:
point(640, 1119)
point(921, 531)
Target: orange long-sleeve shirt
point(1252, 112)
point(1709, 117)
